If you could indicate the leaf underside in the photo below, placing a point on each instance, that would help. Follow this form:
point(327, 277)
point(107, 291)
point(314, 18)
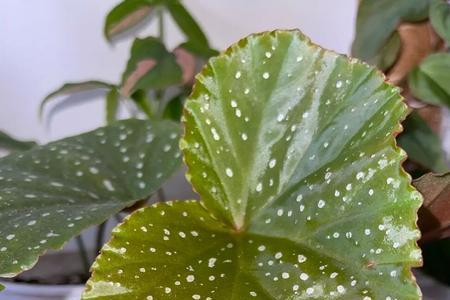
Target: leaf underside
point(292, 150)
point(50, 193)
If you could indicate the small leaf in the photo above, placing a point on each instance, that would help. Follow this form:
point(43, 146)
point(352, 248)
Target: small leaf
point(434, 215)
point(150, 66)
point(174, 108)
point(125, 16)
point(112, 105)
point(51, 193)
point(378, 20)
point(292, 150)
point(9, 143)
point(75, 87)
point(422, 144)
point(205, 52)
point(187, 24)
point(429, 81)
point(440, 18)
point(141, 100)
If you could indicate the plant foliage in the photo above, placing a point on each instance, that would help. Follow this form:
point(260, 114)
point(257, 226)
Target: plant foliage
point(292, 150)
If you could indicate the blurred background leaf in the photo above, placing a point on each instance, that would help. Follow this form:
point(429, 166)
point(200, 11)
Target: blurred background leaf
point(430, 80)
point(12, 144)
point(150, 66)
point(440, 18)
point(126, 15)
point(422, 144)
point(174, 108)
point(74, 87)
point(188, 25)
point(376, 23)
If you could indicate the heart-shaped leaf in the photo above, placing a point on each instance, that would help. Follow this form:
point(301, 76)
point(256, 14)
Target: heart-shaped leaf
point(150, 66)
point(377, 20)
point(440, 18)
point(9, 143)
point(429, 81)
point(422, 144)
point(126, 15)
point(50, 193)
point(292, 150)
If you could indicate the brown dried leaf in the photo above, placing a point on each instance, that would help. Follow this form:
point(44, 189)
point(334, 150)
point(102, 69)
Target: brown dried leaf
point(434, 215)
point(418, 41)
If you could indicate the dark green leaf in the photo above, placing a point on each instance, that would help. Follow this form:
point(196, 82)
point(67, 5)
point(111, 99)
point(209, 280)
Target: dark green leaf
point(440, 18)
point(174, 108)
point(422, 144)
point(142, 102)
point(292, 151)
point(377, 20)
point(389, 53)
point(150, 66)
point(125, 16)
point(75, 87)
point(50, 193)
point(188, 25)
point(430, 80)
point(201, 51)
point(9, 143)
point(112, 105)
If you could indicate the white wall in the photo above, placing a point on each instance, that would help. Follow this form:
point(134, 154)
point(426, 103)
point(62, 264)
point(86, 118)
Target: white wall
point(44, 43)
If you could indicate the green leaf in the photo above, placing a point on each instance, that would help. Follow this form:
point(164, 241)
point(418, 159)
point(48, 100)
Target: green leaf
point(430, 80)
point(112, 105)
point(440, 18)
point(201, 51)
point(188, 25)
point(12, 144)
point(292, 150)
point(126, 15)
point(422, 144)
point(174, 108)
point(142, 102)
point(377, 20)
point(150, 66)
point(389, 53)
point(75, 87)
point(51, 193)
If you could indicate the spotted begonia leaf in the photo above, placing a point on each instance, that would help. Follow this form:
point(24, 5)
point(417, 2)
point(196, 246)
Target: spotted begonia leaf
point(292, 150)
point(50, 193)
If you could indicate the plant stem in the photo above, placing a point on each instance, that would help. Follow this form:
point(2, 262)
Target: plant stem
point(100, 236)
point(161, 30)
point(83, 254)
point(161, 195)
